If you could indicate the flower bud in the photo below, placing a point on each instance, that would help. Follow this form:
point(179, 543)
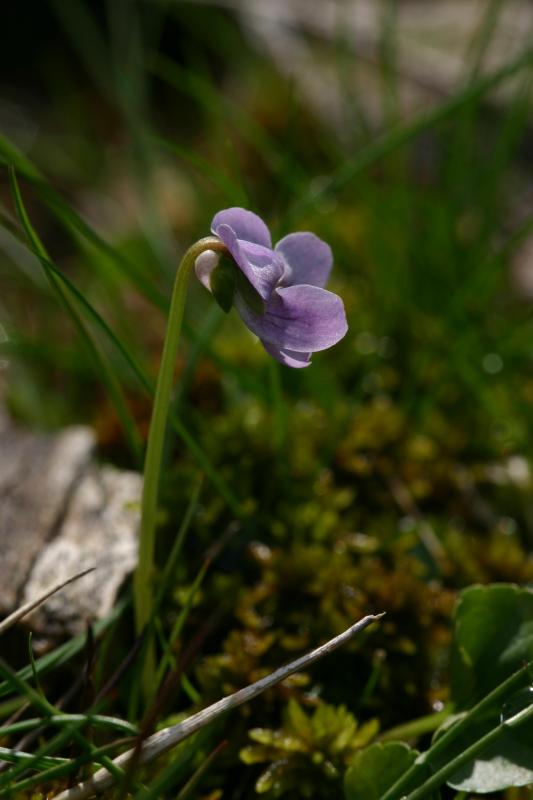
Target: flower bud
point(204, 266)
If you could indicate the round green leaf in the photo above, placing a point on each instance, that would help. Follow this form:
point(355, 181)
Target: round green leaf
point(376, 768)
point(493, 637)
point(506, 763)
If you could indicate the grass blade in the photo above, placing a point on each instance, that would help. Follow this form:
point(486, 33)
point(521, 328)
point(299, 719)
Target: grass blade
point(25, 609)
point(105, 373)
point(65, 652)
point(402, 134)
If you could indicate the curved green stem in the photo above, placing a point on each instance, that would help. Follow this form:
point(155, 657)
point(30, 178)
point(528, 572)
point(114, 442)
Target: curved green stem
point(497, 695)
point(143, 594)
point(415, 728)
point(441, 776)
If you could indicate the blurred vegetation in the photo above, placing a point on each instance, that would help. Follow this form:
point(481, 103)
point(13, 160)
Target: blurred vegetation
point(388, 476)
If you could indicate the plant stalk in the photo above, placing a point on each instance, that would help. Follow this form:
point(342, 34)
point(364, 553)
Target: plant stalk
point(143, 590)
point(502, 690)
point(445, 772)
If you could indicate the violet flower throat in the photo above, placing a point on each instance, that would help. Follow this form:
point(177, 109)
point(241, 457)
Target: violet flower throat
point(278, 291)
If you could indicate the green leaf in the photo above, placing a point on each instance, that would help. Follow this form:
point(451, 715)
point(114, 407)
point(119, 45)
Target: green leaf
point(298, 721)
point(493, 637)
point(508, 762)
point(376, 769)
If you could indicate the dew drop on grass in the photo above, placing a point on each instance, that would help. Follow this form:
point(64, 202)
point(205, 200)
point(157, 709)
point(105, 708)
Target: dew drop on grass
point(517, 703)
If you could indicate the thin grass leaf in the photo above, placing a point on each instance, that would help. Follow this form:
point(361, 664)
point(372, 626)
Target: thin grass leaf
point(27, 759)
point(102, 369)
point(21, 612)
point(33, 667)
point(191, 784)
point(97, 318)
point(201, 89)
point(192, 693)
point(483, 37)
point(74, 224)
point(229, 190)
point(172, 774)
point(402, 134)
point(148, 385)
point(65, 652)
point(167, 659)
point(207, 332)
point(35, 698)
point(59, 741)
point(10, 707)
point(67, 769)
point(179, 539)
point(60, 720)
point(80, 26)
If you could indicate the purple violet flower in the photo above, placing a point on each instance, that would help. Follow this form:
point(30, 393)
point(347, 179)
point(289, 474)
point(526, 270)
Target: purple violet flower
point(282, 299)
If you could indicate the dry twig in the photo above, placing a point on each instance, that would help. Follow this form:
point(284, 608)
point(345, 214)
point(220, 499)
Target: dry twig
point(167, 738)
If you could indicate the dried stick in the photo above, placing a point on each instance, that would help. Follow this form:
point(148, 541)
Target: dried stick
point(167, 738)
point(17, 615)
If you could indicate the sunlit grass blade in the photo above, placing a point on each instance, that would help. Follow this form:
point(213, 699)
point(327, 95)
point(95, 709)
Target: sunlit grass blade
point(60, 720)
point(29, 761)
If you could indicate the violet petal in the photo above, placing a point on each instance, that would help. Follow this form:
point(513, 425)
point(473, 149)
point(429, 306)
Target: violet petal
point(246, 225)
point(288, 357)
point(262, 267)
point(307, 258)
point(300, 318)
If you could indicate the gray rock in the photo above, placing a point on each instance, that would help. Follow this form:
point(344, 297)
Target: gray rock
point(38, 472)
point(60, 513)
point(99, 530)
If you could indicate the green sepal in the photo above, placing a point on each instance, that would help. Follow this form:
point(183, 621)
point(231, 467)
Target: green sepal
point(251, 297)
point(226, 279)
point(223, 283)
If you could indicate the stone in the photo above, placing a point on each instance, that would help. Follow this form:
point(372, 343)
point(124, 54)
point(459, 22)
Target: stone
point(62, 512)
